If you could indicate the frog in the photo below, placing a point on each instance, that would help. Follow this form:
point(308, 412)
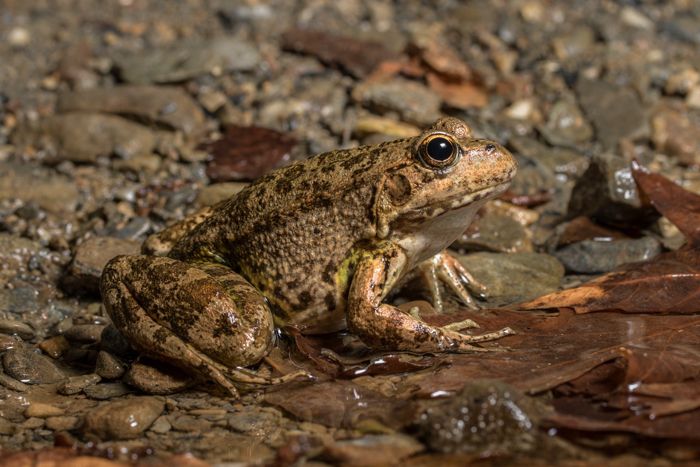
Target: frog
point(319, 245)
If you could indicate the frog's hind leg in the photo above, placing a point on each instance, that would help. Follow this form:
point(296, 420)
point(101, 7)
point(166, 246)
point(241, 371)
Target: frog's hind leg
point(202, 317)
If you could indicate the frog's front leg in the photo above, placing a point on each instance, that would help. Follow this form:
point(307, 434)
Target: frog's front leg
point(445, 268)
point(385, 326)
point(201, 317)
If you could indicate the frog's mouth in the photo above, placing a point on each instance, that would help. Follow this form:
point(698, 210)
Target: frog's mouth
point(432, 210)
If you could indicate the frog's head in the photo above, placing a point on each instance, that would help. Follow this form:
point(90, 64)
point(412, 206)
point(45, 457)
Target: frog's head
point(447, 176)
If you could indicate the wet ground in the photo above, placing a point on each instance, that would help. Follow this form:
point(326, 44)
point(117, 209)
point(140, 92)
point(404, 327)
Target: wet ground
point(120, 117)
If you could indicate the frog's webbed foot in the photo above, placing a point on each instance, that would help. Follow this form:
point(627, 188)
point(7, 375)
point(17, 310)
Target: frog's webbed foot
point(203, 318)
point(385, 326)
point(446, 269)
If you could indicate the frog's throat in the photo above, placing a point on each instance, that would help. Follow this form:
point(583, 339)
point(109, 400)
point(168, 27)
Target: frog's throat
point(426, 212)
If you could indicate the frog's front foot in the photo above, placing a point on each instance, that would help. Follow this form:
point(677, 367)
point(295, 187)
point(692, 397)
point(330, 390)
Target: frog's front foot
point(201, 317)
point(445, 268)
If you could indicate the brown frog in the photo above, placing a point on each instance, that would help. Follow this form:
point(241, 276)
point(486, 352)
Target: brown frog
point(318, 244)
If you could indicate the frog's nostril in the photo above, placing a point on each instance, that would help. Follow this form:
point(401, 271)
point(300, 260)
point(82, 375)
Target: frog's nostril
point(490, 148)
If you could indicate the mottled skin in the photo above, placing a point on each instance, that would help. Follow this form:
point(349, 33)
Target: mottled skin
point(318, 244)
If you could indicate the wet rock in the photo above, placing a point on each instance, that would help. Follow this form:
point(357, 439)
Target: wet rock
point(76, 384)
point(158, 106)
point(62, 423)
point(22, 298)
point(54, 347)
point(373, 450)
point(616, 111)
point(411, 100)
point(255, 421)
point(212, 194)
point(188, 423)
point(488, 417)
point(113, 342)
point(30, 367)
point(84, 333)
point(188, 59)
point(11, 326)
point(108, 366)
point(90, 258)
point(15, 253)
point(7, 427)
point(566, 125)
point(12, 383)
point(547, 161)
point(106, 391)
point(41, 410)
point(124, 419)
point(592, 256)
point(607, 193)
point(83, 137)
point(161, 425)
point(9, 342)
point(676, 134)
point(51, 191)
point(157, 378)
point(514, 277)
point(496, 232)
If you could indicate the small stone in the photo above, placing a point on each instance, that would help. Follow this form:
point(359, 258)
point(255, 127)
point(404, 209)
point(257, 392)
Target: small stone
point(7, 427)
point(693, 98)
point(38, 409)
point(13, 384)
point(566, 125)
point(496, 232)
point(55, 346)
point(574, 42)
point(113, 342)
point(633, 17)
point(188, 423)
point(83, 137)
point(373, 449)
point(123, 419)
point(33, 423)
point(514, 277)
point(108, 366)
point(607, 193)
point(84, 333)
point(592, 256)
point(255, 421)
point(51, 191)
point(19, 37)
point(144, 163)
point(90, 258)
point(615, 111)
point(62, 423)
point(161, 425)
point(30, 367)
point(76, 384)
point(9, 342)
point(213, 194)
point(674, 133)
point(157, 378)
point(106, 391)
point(11, 326)
point(413, 102)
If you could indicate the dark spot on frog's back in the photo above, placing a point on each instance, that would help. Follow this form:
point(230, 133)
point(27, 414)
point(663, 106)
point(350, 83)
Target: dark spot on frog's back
point(329, 300)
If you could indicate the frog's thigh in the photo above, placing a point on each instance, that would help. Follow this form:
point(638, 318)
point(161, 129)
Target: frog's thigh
point(166, 307)
point(385, 326)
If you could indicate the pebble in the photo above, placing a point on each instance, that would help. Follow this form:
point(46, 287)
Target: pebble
point(615, 111)
point(30, 367)
point(63, 423)
point(373, 449)
point(90, 258)
point(592, 256)
point(187, 59)
point(675, 134)
point(412, 101)
point(157, 378)
point(514, 277)
point(11, 326)
point(123, 419)
point(188, 423)
point(108, 366)
point(496, 232)
point(161, 425)
point(106, 391)
point(7, 427)
point(566, 125)
point(84, 333)
point(212, 194)
point(55, 346)
point(9, 342)
point(41, 410)
point(607, 193)
point(12, 383)
point(83, 137)
point(76, 384)
point(51, 191)
point(160, 106)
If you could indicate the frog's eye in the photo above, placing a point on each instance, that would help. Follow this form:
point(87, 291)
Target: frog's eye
point(439, 151)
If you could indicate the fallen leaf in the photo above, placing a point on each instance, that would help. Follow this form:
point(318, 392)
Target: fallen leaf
point(352, 55)
point(582, 228)
point(246, 153)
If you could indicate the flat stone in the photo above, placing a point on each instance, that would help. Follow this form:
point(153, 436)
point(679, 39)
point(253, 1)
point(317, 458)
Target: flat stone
point(84, 333)
point(108, 366)
point(157, 378)
point(159, 106)
point(106, 391)
point(496, 232)
point(9, 342)
point(55, 346)
point(83, 137)
point(213, 194)
point(566, 125)
point(592, 256)
point(124, 419)
point(607, 193)
point(188, 423)
point(373, 449)
point(53, 192)
point(676, 134)
point(161, 425)
point(76, 384)
point(11, 326)
point(7, 427)
point(30, 367)
point(514, 277)
point(90, 258)
point(615, 111)
point(62, 423)
point(413, 102)
point(41, 410)
point(13, 384)
point(187, 59)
